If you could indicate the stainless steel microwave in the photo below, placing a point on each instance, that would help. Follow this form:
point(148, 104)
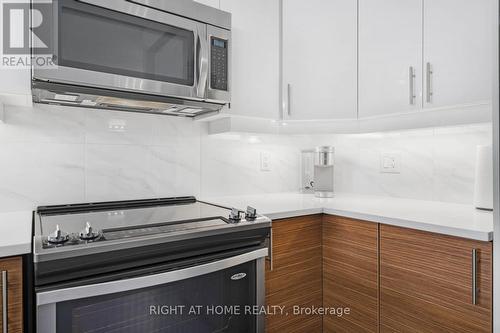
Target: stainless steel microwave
point(156, 56)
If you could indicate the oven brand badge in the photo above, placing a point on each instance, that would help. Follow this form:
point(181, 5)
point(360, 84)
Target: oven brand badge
point(238, 276)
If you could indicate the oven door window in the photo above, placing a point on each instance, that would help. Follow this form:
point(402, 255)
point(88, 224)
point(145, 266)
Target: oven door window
point(102, 40)
point(166, 308)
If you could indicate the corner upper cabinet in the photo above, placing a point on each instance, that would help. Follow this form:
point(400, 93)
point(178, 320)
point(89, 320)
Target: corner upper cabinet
point(319, 59)
point(457, 52)
point(390, 57)
point(255, 57)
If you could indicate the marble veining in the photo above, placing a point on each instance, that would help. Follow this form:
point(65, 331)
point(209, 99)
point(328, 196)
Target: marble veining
point(437, 163)
point(55, 154)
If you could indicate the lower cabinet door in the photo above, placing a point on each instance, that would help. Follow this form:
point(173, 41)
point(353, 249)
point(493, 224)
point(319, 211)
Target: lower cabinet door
point(350, 275)
point(295, 281)
point(427, 281)
point(11, 294)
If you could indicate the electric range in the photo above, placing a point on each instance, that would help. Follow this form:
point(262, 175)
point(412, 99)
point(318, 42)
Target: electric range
point(98, 259)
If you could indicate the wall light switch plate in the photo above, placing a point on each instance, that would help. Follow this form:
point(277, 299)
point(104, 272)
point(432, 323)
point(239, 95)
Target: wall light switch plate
point(390, 163)
point(265, 161)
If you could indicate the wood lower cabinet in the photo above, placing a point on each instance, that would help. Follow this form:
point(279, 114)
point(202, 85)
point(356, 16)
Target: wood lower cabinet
point(14, 276)
point(350, 274)
point(426, 282)
point(296, 278)
point(392, 279)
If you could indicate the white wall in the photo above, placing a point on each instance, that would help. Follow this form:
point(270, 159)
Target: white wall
point(437, 163)
point(51, 155)
point(231, 164)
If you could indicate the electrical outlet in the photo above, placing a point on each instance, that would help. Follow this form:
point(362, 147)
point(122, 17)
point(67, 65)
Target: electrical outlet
point(390, 163)
point(265, 161)
point(117, 125)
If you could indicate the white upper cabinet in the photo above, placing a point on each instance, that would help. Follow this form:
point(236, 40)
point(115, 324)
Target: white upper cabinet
point(211, 3)
point(319, 59)
point(457, 52)
point(390, 56)
point(255, 57)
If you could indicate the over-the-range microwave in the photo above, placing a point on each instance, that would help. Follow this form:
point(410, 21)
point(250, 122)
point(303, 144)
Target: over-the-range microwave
point(155, 56)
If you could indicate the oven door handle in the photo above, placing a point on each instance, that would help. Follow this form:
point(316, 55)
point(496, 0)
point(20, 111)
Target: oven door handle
point(61, 295)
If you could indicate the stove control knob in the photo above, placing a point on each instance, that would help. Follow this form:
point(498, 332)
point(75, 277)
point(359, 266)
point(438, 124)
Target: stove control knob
point(58, 236)
point(251, 213)
point(234, 216)
point(89, 233)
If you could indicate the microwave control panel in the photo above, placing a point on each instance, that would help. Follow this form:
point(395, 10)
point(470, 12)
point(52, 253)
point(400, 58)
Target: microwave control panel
point(218, 63)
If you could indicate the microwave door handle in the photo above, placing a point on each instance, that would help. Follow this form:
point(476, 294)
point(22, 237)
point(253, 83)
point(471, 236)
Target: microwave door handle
point(202, 63)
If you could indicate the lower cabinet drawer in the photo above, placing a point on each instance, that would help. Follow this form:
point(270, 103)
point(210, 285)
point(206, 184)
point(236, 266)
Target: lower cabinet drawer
point(11, 293)
point(350, 274)
point(295, 279)
point(382, 278)
point(427, 281)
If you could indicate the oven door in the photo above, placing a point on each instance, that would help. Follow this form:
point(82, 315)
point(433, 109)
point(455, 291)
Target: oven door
point(218, 296)
point(123, 45)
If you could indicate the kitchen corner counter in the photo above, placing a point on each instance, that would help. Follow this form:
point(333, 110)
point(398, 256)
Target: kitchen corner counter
point(15, 233)
point(440, 217)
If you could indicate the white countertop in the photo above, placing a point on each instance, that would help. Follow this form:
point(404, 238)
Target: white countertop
point(15, 233)
point(440, 217)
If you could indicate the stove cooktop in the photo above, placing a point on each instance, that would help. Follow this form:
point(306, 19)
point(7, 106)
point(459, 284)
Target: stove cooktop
point(98, 227)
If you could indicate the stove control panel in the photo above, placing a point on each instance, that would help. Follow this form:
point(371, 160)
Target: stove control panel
point(60, 238)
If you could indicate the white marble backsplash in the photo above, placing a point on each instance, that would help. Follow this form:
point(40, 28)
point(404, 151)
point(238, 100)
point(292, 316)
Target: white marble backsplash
point(437, 163)
point(54, 155)
point(231, 164)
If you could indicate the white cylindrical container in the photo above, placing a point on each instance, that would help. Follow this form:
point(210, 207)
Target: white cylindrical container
point(483, 186)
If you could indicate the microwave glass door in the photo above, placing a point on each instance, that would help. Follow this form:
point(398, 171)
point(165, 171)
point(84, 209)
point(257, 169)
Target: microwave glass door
point(103, 40)
point(123, 45)
point(204, 303)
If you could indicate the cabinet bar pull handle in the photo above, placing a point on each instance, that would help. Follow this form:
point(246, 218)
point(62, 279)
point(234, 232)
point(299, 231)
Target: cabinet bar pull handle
point(474, 276)
point(429, 72)
point(5, 323)
point(412, 85)
point(270, 255)
point(288, 99)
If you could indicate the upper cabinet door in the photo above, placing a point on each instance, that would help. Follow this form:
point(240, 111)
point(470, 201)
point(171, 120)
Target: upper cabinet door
point(457, 52)
point(211, 3)
point(390, 56)
point(319, 59)
point(255, 57)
